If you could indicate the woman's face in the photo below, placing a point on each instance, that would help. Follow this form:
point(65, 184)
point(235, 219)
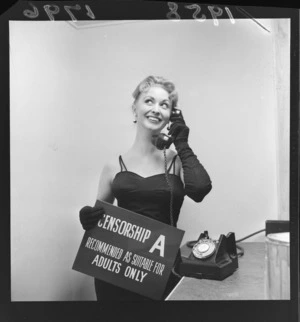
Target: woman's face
point(153, 108)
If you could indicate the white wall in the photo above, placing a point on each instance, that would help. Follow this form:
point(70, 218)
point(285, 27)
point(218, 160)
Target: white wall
point(70, 112)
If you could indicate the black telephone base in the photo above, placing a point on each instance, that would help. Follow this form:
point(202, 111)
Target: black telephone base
point(218, 266)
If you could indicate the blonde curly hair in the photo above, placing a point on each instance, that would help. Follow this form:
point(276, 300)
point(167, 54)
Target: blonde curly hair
point(166, 84)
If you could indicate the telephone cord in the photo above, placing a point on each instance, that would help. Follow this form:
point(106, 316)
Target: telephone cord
point(171, 207)
point(170, 187)
point(239, 240)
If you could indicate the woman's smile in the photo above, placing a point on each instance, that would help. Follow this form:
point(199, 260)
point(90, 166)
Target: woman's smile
point(154, 119)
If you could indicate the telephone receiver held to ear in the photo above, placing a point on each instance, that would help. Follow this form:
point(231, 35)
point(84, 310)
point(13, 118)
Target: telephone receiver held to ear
point(163, 140)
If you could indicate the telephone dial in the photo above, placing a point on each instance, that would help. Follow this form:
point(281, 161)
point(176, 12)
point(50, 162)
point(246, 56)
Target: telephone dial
point(210, 259)
point(163, 140)
point(204, 248)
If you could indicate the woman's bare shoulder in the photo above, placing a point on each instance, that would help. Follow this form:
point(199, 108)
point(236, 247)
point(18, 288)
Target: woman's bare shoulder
point(112, 165)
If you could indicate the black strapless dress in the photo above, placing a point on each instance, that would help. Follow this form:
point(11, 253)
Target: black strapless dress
point(150, 197)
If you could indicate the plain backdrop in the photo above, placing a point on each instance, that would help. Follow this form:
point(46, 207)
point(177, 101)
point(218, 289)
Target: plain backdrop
point(70, 112)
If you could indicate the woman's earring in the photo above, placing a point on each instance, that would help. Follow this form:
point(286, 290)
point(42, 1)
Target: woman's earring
point(134, 121)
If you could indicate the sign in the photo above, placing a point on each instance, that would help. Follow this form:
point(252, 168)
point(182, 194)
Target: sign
point(130, 251)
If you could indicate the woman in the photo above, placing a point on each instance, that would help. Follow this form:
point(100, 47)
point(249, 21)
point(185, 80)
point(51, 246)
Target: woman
point(142, 177)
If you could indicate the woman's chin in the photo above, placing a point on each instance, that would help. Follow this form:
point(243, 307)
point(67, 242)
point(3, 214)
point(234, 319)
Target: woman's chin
point(155, 128)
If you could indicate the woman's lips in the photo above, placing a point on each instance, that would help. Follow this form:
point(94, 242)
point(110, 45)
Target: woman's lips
point(153, 119)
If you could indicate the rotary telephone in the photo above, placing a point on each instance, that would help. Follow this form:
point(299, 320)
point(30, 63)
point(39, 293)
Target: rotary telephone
point(163, 140)
point(210, 259)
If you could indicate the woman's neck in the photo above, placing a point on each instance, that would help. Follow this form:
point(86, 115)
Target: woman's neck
point(142, 144)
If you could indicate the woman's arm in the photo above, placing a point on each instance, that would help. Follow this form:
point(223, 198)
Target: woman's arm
point(89, 216)
point(197, 183)
point(105, 183)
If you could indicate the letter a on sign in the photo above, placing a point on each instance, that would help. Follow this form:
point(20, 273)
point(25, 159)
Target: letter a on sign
point(160, 245)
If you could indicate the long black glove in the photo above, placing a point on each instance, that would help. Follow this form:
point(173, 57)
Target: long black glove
point(89, 216)
point(196, 179)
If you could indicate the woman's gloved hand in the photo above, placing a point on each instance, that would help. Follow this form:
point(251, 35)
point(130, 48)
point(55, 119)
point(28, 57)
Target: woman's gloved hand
point(178, 129)
point(89, 216)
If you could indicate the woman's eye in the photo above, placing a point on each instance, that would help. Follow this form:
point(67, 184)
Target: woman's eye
point(148, 101)
point(165, 105)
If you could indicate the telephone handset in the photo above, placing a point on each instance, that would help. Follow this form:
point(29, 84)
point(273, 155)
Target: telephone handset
point(163, 140)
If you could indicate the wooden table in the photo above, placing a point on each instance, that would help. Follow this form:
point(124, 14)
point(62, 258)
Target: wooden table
point(246, 283)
